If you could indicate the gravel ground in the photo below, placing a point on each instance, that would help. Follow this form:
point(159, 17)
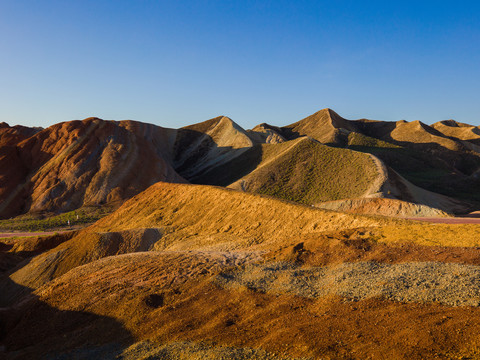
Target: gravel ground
point(146, 350)
point(423, 282)
point(196, 351)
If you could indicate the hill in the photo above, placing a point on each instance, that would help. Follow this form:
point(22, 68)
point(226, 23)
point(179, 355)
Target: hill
point(458, 130)
point(205, 145)
point(102, 163)
point(443, 158)
point(94, 162)
point(10, 135)
point(193, 271)
point(307, 172)
point(174, 217)
point(325, 126)
point(382, 206)
point(189, 271)
point(81, 163)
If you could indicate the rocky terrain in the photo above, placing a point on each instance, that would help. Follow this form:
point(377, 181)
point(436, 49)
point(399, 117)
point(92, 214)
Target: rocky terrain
point(247, 276)
point(272, 243)
point(89, 162)
point(320, 158)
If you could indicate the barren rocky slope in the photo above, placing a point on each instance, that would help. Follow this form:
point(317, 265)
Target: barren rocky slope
point(184, 271)
point(97, 162)
point(187, 272)
point(89, 162)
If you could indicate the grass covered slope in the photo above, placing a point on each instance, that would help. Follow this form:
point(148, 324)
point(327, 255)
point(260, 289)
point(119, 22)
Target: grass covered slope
point(444, 157)
point(305, 171)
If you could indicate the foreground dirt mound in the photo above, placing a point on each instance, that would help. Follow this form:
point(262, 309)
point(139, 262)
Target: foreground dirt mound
point(191, 305)
point(247, 276)
point(81, 249)
point(174, 217)
point(87, 162)
point(248, 219)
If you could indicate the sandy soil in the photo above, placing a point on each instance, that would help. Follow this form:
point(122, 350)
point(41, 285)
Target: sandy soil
point(376, 292)
point(172, 298)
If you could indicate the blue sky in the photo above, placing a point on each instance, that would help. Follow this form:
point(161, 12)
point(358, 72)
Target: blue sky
point(174, 63)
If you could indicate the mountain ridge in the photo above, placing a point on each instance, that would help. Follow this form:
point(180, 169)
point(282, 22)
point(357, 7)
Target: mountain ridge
point(103, 162)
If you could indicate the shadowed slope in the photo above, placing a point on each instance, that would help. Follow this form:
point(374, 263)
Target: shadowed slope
point(11, 135)
point(205, 145)
point(12, 171)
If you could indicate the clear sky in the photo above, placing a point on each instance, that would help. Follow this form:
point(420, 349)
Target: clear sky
point(174, 63)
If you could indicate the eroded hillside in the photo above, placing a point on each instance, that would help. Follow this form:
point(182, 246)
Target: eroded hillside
point(320, 158)
point(190, 271)
point(89, 162)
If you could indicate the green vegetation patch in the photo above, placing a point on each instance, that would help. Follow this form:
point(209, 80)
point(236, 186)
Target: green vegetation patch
point(32, 223)
point(311, 172)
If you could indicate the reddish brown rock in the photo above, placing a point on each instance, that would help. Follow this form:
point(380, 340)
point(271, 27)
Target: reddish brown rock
point(89, 162)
